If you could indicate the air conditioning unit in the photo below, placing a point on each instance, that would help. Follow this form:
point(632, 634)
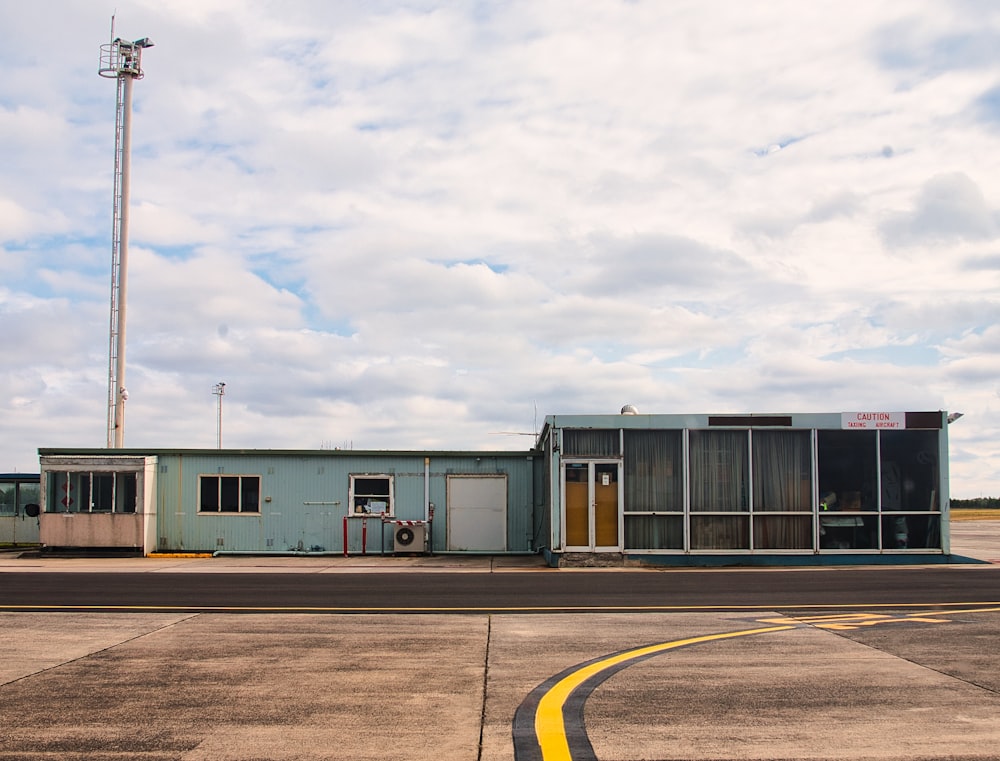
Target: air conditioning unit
point(409, 538)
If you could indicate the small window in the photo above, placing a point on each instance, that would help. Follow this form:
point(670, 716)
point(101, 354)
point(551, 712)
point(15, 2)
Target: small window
point(229, 494)
point(371, 495)
point(8, 499)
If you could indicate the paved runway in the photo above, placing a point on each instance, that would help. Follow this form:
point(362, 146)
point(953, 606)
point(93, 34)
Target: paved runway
point(901, 683)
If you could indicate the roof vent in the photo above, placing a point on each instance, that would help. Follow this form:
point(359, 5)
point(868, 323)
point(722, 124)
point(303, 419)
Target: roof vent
point(630, 409)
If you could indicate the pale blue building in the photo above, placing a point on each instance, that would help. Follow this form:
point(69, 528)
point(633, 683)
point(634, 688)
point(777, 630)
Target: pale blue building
point(868, 486)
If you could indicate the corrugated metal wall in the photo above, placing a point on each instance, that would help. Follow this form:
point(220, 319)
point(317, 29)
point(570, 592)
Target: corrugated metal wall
point(304, 498)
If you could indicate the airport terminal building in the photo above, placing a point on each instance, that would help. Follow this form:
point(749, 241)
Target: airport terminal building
point(868, 486)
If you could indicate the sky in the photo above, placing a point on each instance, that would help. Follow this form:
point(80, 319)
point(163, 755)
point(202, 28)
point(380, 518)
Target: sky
point(427, 225)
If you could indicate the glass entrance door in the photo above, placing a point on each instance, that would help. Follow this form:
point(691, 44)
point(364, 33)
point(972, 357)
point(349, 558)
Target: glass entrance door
point(592, 500)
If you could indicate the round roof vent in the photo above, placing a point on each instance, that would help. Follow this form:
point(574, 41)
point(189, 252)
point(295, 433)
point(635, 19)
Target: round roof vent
point(630, 409)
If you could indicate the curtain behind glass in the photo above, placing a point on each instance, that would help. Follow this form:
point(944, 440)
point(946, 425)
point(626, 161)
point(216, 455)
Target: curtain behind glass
point(782, 471)
point(590, 442)
point(654, 478)
point(719, 471)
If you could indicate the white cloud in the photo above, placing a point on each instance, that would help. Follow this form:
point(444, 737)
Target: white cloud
point(413, 224)
point(949, 208)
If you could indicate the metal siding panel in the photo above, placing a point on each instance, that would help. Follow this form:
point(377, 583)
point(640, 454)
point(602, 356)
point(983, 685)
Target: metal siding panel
point(309, 499)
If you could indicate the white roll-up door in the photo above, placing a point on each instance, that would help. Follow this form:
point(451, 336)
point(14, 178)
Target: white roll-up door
point(477, 513)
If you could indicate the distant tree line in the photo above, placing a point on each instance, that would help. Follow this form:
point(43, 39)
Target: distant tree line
point(979, 503)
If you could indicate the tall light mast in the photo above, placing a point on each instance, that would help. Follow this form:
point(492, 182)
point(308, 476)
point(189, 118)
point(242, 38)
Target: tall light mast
point(220, 391)
point(120, 60)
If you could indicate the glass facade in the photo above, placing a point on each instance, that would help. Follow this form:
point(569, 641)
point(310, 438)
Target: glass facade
point(769, 489)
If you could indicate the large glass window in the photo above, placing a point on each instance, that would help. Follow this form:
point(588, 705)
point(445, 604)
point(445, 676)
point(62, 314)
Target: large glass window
point(848, 478)
point(719, 484)
point(719, 470)
point(782, 471)
point(654, 532)
point(908, 532)
point(654, 484)
point(910, 470)
point(587, 442)
point(654, 471)
point(720, 532)
point(847, 470)
point(782, 483)
point(228, 494)
point(782, 532)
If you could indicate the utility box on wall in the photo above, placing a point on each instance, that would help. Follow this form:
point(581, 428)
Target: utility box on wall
point(409, 536)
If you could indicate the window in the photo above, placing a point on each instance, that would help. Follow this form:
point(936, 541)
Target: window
point(782, 471)
point(909, 464)
point(782, 483)
point(654, 471)
point(654, 484)
point(371, 495)
point(847, 463)
point(91, 492)
point(8, 499)
point(719, 471)
point(586, 442)
point(719, 479)
point(229, 494)
point(847, 470)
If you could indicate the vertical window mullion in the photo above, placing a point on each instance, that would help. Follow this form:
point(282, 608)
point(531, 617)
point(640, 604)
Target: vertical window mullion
point(750, 500)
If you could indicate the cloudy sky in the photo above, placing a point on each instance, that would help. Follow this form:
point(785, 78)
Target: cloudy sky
point(418, 225)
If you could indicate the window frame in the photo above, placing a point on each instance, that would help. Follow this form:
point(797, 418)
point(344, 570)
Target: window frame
point(242, 494)
point(117, 491)
point(353, 495)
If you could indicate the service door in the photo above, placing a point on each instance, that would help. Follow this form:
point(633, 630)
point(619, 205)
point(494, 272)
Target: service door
point(592, 505)
point(477, 513)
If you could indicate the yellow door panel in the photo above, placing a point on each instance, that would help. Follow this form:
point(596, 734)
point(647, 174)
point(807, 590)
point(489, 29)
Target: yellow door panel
point(606, 515)
point(577, 524)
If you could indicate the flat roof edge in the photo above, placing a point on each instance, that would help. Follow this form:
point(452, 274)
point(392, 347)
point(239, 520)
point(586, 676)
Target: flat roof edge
point(157, 451)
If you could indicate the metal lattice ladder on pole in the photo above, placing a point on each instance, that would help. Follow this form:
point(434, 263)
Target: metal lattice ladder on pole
point(120, 60)
point(115, 266)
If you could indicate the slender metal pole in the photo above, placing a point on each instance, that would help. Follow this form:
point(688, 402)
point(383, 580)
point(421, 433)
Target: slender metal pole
point(120, 394)
point(219, 391)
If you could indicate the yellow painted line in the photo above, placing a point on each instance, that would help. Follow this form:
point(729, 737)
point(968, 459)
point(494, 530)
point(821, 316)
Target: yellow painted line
point(856, 620)
point(549, 726)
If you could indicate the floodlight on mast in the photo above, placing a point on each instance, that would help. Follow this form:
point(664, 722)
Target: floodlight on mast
point(120, 60)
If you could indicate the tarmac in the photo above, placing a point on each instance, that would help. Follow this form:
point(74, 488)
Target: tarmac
point(757, 685)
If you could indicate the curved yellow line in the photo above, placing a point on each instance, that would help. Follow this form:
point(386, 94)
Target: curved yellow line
point(549, 727)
